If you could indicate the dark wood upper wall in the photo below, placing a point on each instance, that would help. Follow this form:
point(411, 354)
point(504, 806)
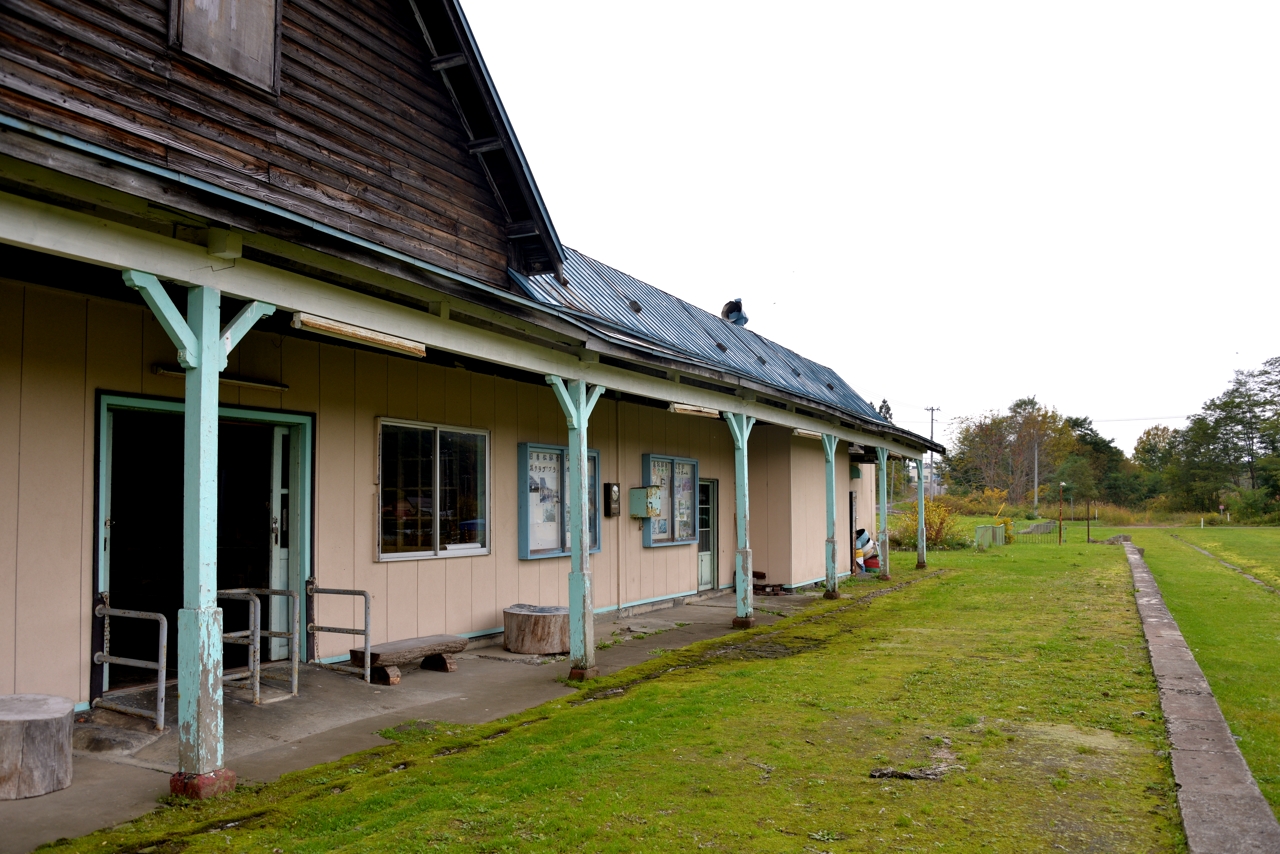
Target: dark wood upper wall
point(362, 136)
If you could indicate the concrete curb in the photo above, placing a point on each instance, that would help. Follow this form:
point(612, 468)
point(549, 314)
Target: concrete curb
point(1223, 811)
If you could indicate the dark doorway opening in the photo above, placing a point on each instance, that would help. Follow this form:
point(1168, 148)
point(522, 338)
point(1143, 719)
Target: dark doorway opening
point(145, 570)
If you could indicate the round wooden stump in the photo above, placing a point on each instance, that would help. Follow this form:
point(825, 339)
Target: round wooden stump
point(35, 745)
point(535, 629)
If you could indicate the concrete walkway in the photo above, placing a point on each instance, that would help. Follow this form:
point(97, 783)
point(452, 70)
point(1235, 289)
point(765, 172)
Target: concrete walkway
point(122, 766)
point(1223, 810)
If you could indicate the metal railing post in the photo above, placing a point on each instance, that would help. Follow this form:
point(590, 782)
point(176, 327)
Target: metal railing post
point(312, 628)
point(160, 664)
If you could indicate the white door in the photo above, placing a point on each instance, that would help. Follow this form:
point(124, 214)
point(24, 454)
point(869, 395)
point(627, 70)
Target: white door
point(708, 541)
point(279, 533)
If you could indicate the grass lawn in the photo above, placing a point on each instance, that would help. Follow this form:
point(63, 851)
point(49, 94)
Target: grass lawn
point(1021, 670)
point(1255, 550)
point(1232, 626)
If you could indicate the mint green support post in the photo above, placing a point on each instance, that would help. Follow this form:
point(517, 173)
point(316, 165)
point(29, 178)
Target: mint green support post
point(829, 444)
point(202, 350)
point(882, 474)
point(920, 529)
point(577, 403)
point(740, 428)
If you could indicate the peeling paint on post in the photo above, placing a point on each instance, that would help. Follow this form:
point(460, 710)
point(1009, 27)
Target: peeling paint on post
point(920, 529)
point(740, 428)
point(882, 475)
point(829, 443)
point(577, 404)
point(202, 350)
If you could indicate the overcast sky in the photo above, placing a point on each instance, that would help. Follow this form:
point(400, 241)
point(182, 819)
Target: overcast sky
point(952, 204)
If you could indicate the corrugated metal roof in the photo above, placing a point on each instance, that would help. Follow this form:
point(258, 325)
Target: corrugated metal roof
point(607, 299)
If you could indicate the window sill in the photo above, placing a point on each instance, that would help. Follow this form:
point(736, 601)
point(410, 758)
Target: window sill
point(395, 558)
point(545, 555)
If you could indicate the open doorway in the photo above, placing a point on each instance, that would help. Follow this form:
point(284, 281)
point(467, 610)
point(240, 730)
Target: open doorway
point(263, 472)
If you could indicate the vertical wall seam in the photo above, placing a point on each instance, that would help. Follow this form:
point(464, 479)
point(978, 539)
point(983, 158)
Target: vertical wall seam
point(85, 439)
point(17, 515)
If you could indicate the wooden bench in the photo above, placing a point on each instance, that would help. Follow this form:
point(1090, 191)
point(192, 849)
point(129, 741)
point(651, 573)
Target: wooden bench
point(435, 652)
point(35, 745)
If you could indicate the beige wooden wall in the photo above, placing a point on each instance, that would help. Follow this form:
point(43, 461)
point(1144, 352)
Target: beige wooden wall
point(809, 510)
point(57, 349)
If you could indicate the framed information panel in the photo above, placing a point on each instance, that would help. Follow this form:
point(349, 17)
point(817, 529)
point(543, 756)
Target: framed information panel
point(544, 500)
point(677, 519)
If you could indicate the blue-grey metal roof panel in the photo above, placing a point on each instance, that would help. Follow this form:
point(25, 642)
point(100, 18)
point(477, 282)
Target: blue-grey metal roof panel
point(623, 306)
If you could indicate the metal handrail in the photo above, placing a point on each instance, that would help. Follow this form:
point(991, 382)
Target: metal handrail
point(312, 628)
point(252, 637)
point(105, 657)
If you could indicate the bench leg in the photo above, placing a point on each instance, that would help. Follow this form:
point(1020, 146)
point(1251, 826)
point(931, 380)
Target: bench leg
point(380, 675)
point(442, 662)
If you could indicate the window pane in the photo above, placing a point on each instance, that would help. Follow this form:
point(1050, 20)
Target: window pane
point(682, 501)
point(660, 475)
point(463, 477)
point(406, 481)
point(546, 531)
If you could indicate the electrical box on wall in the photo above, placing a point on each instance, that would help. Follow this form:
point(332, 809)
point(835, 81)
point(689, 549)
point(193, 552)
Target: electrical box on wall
point(612, 499)
point(646, 502)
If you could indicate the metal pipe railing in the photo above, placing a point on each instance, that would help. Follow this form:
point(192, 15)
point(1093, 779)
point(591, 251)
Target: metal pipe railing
point(160, 665)
point(312, 628)
point(252, 637)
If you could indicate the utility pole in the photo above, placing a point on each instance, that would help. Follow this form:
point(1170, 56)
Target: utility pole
point(1035, 487)
point(931, 410)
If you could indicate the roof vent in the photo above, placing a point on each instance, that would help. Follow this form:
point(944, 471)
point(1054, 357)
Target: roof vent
point(797, 373)
point(635, 306)
point(733, 312)
point(761, 360)
point(830, 386)
point(723, 349)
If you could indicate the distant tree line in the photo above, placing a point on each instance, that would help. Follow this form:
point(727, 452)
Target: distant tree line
point(1228, 454)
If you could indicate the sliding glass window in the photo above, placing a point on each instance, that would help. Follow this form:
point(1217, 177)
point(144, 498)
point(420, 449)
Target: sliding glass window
point(434, 490)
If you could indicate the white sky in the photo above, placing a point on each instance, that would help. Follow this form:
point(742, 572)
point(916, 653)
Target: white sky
point(952, 204)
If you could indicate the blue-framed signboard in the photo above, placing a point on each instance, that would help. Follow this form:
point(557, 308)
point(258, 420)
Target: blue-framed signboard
point(677, 519)
point(544, 500)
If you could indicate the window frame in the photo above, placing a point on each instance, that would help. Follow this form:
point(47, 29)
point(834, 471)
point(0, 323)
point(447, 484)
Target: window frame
point(522, 503)
point(646, 463)
point(439, 552)
point(175, 43)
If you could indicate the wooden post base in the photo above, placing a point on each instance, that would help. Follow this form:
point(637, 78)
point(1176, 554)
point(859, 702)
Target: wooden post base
point(921, 564)
point(743, 622)
point(884, 576)
point(200, 787)
point(831, 594)
point(578, 675)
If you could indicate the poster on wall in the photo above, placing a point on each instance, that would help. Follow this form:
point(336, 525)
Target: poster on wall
point(546, 524)
point(683, 499)
point(660, 475)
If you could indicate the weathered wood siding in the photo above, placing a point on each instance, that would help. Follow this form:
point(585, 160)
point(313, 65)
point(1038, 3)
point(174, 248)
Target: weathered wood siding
point(362, 137)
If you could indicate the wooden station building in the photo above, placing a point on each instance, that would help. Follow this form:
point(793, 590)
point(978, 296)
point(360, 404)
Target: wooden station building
point(280, 300)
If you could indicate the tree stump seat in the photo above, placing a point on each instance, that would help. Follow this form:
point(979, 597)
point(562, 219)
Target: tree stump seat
point(535, 629)
point(435, 652)
point(35, 745)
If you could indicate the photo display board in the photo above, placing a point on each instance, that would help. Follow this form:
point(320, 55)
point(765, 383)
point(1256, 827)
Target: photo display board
point(544, 500)
point(677, 519)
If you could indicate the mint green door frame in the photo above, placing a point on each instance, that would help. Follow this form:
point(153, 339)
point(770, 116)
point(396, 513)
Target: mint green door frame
point(577, 402)
point(202, 351)
point(301, 429)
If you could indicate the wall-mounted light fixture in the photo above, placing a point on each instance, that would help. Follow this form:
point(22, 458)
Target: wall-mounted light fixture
point(350, 332)
point(690, 409)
